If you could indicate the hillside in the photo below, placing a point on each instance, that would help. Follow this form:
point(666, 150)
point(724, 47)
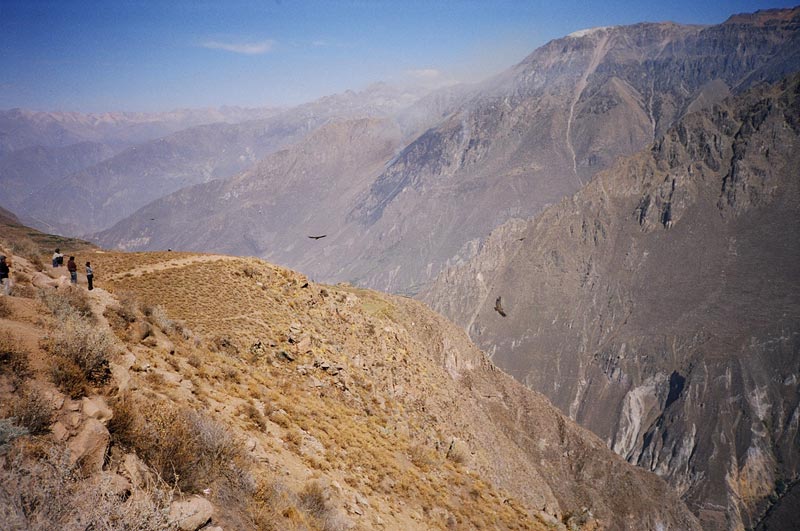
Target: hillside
point(503, 149)
point(96, 196)
point(659, 305)
point(268, 402)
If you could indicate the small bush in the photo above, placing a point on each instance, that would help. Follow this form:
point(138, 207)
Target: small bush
point(67, 302)
point(32, 411)
point(423, 457)
point(315, 501)
point(40, 490)
point(5, 308)
point(184, 447)
point(129, 306)
point(24, 292)
point(9, 431)
point(158, 317)
point(194, 360)
point(252, 413)
point(87, 346)
point(29, 250)
point(123, 424)
point(68, 377)
point(13, 360)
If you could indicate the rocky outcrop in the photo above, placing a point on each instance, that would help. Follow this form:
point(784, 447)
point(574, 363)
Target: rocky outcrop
point(659, 305)
point(191, 514)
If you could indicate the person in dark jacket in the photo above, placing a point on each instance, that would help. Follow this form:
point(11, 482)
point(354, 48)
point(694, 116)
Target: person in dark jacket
point(72, 267)
point(5, 282)
point(89, 275)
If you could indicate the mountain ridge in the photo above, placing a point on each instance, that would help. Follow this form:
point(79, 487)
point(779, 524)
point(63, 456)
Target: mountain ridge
point(529, 137)
point(657, 296)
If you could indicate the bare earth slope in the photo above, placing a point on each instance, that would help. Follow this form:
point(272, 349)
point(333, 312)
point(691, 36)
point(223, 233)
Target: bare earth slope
point(660, 306)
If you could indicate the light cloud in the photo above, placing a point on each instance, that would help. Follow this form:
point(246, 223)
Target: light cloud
point(246, 48)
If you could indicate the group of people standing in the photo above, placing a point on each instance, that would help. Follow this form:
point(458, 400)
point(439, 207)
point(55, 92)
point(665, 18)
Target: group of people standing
point(72, 267)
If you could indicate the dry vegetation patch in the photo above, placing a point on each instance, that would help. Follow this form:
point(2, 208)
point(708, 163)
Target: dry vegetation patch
point(329, 393)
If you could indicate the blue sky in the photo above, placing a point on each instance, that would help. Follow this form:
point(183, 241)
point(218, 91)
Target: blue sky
point(159, 55)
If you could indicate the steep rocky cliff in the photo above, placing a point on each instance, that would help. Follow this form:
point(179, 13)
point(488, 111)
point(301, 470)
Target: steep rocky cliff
point(542, 129)
point(660, 306)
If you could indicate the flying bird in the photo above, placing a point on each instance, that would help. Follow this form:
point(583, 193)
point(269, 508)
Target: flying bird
point(499, 307)
point(317, 237)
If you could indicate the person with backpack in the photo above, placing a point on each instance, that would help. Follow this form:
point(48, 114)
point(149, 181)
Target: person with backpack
point(72, 267)
point(89, 275)
point(5, 281)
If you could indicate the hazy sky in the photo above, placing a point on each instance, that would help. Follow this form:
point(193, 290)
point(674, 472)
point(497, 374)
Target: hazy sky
point(159, 55)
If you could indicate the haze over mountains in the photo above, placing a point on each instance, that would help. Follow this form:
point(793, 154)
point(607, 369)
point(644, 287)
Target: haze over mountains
point(510, 146)
point(657, 305)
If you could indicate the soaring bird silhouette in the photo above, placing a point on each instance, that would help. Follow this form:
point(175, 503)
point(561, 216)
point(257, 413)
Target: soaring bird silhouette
point(498, 307)
point(317, 237)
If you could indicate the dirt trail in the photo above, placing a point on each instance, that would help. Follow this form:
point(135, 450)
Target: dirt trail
point(171, 264)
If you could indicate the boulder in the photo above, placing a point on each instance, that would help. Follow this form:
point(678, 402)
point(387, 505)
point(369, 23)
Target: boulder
point(59, 431)
point(96, 408)
point(88, 447)
point(136, 471)
point(191, 514)
point(40, 280)
point(140, 330)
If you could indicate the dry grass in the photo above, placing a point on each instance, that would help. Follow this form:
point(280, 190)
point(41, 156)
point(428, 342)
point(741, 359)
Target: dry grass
point(84, 344)
point(5, 308)
point(185, 448)
point(41, 491)
point(13, 360)
point(70, 301)
point(32, 411)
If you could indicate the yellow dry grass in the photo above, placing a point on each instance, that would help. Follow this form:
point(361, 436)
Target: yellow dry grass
point(336, 411)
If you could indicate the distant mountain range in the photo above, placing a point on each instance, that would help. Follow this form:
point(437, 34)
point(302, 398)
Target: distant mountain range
point(506, 148)
point(58, 186)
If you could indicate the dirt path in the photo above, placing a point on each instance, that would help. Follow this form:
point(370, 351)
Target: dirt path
point(171, 264)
